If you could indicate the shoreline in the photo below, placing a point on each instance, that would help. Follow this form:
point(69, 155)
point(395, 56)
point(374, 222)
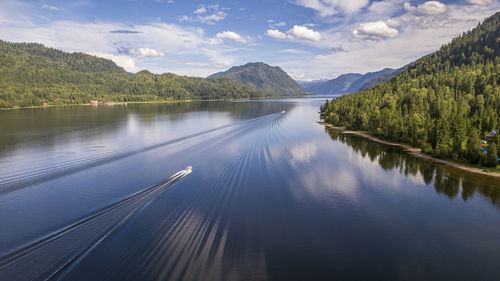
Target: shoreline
point(110, 103)
point(417, 152)
point(146, 102)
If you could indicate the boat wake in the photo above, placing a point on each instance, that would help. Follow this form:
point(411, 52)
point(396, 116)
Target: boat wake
point(50, 255)
point(65, 251)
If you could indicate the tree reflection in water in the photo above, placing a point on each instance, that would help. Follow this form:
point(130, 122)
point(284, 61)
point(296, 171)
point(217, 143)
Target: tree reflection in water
point(448, 181)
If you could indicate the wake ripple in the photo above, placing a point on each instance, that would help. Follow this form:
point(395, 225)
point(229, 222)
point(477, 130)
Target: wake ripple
point(46, 257)
point(193, 240)
point(30, 177)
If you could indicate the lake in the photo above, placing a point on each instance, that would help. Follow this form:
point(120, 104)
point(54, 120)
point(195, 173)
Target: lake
point(100, 193)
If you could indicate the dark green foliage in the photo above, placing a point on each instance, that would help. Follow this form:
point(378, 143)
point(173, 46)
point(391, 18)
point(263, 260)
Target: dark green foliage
point(444, 102)
point(31, 74)
point(474, 151)
point(492, 156)
point(271, 80)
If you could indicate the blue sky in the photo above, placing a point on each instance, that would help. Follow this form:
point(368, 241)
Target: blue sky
point(310, 39)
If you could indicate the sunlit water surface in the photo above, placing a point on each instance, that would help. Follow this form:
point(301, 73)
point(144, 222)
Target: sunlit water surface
point(99, 193)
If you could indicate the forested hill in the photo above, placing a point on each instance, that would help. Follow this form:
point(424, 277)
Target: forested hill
point(444, 103)
point(32, 74)
point(271, 80)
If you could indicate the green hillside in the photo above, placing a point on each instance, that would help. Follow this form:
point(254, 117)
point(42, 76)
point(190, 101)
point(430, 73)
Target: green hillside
point(271, 80)
point(31, 74)
point(444, 103)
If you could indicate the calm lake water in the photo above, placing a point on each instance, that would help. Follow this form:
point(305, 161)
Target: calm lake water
point(96, 193)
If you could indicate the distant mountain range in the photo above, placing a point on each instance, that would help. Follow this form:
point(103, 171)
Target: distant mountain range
point(308, 84)
point(351, 82)
point(261, 77)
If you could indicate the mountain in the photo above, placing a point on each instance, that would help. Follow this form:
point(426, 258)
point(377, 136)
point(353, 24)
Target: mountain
point(270, 80)
point(444, 103)
point(305, 84)
point(367, 78)
point(32, 74)
point(348, 83)
point(339, 85)
point(382, 78)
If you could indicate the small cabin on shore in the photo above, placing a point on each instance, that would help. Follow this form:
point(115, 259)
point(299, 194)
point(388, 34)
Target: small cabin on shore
point(489, 136)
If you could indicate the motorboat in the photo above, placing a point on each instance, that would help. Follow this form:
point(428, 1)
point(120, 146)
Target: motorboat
point(283, 112)
point(188, 169)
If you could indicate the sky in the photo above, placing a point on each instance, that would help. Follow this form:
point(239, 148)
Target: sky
point(309, 39)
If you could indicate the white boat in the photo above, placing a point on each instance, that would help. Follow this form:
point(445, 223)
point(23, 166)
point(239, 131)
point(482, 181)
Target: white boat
point(188, 169)
point(283, 112)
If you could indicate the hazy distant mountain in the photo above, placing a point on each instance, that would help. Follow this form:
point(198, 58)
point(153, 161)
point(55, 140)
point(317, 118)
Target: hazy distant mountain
point(350, 83)
point(370, 76)
point(270, 80)
point(382, 78)
point(339, 85)
point(306, 84)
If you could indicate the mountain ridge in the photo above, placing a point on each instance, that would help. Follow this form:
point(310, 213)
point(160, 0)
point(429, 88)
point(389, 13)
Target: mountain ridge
point(350, 82)
point(271, 80)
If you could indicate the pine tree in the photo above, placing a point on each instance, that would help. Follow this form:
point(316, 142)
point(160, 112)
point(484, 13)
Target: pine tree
point(473, 148)
point(492, 156)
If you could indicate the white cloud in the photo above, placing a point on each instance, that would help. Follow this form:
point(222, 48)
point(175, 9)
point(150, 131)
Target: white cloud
point(351, 6)
point(375, 31)
point(276, 34)
point(481, 2)
point(206, 14)
point(331, 7)
point(297, 32)
point(279, 24)
point(230, 35)
point(200, 10)
point(213, 18)
point(303, 33)
point(124, 61)
point(49, 7)
point(274, 25)
point(382, 9)
point(294, 51)
point(426, 9)
point(140, 52)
